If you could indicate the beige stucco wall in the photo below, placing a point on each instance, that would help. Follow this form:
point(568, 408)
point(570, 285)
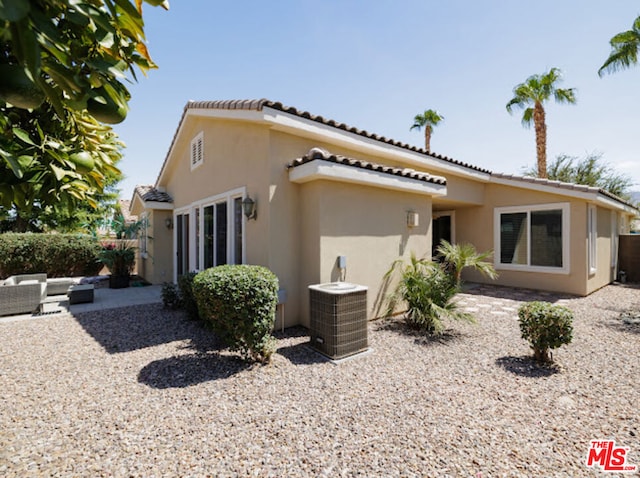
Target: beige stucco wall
point(301, 228)
point(235, 156)
point(157, 266)
point(367, 225)
point(476, 225)
point(311, 224)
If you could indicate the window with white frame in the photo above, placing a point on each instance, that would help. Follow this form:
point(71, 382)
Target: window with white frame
point(532, 238)
point(197, 150)
point(222, 238)
point(592, 232)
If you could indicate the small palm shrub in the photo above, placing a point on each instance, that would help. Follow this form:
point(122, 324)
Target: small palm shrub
point(427, 291)
point(239, 301)
point(545, 326)
point(187, 299)
point(456, 257)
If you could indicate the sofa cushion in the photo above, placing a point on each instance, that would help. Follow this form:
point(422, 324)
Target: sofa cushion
point(25, 282)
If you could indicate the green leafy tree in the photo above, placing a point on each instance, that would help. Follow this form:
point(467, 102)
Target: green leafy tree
point(590, 171)
point(73, 54)
point(531, 96)
point(624, 50)
point(427, 120)
point(63, 64)
point(49, 165)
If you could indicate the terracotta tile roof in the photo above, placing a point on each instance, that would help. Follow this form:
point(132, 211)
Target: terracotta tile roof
point(562, 185)
point(259, 105)
point(323, 155)
point(149, 193)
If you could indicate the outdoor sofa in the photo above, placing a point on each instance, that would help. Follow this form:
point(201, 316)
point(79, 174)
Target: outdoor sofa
point(22, 294)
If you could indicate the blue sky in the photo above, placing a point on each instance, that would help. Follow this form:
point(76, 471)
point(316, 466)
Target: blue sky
point(375, 65)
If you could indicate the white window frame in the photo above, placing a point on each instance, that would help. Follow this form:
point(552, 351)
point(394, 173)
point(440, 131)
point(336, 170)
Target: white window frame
point(176, 213)
point(228, 196)
point(196, 151)
point(592, 238)
point(528, 209)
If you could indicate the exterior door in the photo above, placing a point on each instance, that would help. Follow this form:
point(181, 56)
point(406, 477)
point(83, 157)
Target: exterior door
point(441, 231)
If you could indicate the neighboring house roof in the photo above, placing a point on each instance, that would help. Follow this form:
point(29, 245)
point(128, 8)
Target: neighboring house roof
point(150, 193)
point(151, 198)
point(320, 154)
point(125, 209)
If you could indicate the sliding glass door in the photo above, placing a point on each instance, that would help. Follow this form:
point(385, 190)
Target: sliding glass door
point(210, 233)
point(182, 243)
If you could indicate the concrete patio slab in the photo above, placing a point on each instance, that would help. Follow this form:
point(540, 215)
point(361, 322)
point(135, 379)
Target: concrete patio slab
point(104, 298)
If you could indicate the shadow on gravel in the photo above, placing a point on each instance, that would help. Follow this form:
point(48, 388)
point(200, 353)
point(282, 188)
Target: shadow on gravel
point(292, 332)
point(527, 367)
point(187, 370)
point(139, 327)
point(625, 326)
point(302, 354)
point(420, 338)
point(514, 293)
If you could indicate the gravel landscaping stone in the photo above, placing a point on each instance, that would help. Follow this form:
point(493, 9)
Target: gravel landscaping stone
point(143, 391)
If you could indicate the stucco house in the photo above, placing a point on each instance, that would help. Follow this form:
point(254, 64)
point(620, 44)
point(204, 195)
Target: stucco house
point(259, 183)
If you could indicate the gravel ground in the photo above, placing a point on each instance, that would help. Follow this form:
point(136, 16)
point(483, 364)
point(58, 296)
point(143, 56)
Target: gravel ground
point(145, 392)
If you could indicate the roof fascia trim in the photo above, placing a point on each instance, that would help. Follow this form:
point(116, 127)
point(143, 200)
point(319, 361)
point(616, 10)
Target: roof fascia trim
point(290, 123)
point(593, 196)
point(157, 205)
point(320, 169)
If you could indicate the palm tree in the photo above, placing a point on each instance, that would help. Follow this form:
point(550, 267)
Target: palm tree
point(456, 257)
point(427, 120)
point(530, 96)
point(624, 50)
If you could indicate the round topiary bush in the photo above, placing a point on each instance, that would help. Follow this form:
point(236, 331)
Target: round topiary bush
point(545, 326)
point(239, 301)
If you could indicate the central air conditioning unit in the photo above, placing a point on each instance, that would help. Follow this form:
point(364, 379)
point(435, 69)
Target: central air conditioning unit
point(338, 322)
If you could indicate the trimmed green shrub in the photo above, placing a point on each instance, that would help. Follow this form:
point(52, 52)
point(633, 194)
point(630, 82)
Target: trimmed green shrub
point(187, 299)
point(171, 296)
point(240, 303)
point(427, 292)
point(57, 255)
point(545, 326)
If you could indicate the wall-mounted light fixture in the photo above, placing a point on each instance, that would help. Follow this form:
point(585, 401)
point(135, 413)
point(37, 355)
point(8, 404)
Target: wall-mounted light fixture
point(249, 207)
point(413, 220)
point(169, 223)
